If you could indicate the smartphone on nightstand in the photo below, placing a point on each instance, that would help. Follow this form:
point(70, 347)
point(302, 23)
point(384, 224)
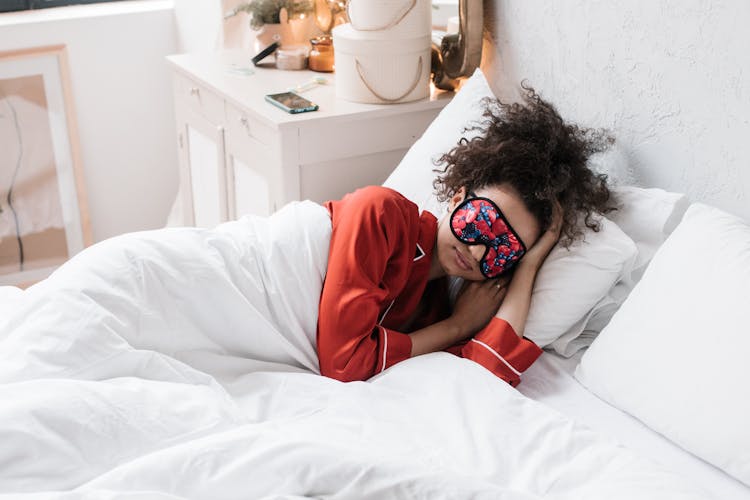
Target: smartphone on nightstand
point(291, 102)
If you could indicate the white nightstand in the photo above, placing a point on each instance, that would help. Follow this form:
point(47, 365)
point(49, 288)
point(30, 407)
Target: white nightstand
point(239, 154)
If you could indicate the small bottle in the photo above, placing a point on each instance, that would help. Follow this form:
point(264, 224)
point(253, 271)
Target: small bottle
point(321, 55)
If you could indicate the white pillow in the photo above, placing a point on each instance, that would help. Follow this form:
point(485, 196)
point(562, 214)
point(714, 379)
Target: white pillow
point(414, 175)
point(571, 282)
point(676, 353)
point(648, 216)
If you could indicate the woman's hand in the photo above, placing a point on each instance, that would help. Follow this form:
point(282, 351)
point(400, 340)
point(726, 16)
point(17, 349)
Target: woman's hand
point(538, 252)
point(477, 304)
point(515, 306)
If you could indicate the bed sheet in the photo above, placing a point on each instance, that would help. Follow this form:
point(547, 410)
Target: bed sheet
point(550, 381)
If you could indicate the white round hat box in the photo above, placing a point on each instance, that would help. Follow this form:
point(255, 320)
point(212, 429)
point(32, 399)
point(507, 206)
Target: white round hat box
point(391, 18)
point(380, 71)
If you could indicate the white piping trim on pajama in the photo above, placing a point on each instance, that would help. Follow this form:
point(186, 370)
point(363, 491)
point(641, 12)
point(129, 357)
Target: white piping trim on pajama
point(385, 346)
point(421, 251)
point(386, 312)
point(497, 355)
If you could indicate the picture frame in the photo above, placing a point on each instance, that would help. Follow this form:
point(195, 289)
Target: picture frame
point(44, 217)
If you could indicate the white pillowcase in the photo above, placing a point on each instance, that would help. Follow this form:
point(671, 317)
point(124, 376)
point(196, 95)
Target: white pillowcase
point(648, 216)
point(570, 283)
point(414, 175)
point(676, 353)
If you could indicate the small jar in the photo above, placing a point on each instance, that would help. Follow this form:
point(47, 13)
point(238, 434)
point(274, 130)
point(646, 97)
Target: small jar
point(321, 55)
point(291, 58)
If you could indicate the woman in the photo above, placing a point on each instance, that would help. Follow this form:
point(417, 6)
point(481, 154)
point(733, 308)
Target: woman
point(242, 297)
point(511, 193)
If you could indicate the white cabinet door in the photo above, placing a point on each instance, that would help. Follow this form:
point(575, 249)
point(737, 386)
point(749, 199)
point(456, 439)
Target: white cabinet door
point(206, 177)
point(253, 173)
point(203, 174)
point(251, 191)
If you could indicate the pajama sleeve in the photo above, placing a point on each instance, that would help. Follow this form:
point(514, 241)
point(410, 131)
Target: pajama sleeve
point(498, 348)
point(371, 246)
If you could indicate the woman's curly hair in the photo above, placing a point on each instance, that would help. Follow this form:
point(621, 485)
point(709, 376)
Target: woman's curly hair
point(530, 147)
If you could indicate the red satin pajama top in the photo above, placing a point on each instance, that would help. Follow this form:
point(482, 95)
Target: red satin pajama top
point(378, 262)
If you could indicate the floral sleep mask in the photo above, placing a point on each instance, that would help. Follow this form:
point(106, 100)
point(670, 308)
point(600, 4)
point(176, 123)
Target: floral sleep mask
point(479, 221)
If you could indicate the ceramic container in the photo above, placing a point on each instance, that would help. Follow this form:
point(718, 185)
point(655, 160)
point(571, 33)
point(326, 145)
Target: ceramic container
point(380, 71)
point(389, 19)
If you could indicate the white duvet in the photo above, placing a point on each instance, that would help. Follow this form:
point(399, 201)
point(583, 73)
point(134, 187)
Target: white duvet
point(180, 364)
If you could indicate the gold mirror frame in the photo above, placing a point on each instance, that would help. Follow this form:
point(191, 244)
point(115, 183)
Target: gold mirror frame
point(457, 55)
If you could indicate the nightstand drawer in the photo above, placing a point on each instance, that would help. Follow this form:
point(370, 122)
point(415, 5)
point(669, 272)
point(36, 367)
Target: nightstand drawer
point(241, 124)
point(200, 99)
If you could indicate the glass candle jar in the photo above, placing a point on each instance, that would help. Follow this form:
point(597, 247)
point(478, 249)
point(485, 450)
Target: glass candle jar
point(321, 55)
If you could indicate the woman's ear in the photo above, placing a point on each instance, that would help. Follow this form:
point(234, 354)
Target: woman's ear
point(457, 198)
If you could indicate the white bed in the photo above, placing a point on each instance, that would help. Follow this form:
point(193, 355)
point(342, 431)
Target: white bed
point(177, 364)
point(128, 374)
point(181, 364)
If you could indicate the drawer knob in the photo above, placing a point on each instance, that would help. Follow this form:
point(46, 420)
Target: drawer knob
point(245, 124)
point(195, 91)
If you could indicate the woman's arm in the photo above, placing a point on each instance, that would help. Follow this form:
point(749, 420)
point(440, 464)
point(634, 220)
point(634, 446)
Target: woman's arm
point(500, 346)
point(515, 307)
point(373, 235)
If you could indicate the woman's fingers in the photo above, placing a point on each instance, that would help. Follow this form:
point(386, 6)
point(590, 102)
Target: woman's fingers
point(493, 289)
point(499, 284)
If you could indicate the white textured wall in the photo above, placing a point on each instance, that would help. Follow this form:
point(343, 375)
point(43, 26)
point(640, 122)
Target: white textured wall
point(670, 79)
